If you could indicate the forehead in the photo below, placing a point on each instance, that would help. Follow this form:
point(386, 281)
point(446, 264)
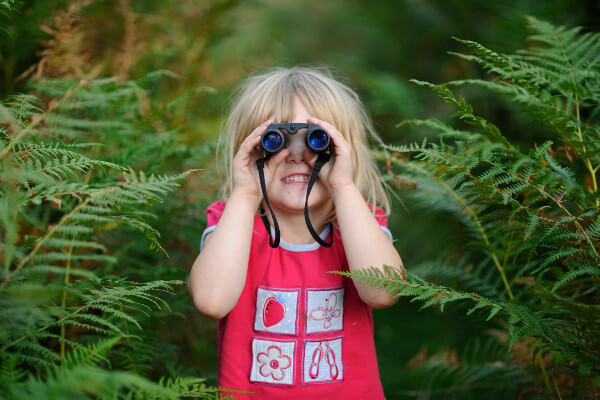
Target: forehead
point(300, 111)
point(292, 110)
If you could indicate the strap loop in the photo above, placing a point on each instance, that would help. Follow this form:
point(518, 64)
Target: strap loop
point(274, 242)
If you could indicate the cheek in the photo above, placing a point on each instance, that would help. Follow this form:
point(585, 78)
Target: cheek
point(309, 156)
point(320, 190)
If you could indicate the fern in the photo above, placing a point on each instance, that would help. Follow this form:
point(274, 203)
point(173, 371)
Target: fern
point(531, 214)
point(96, 382)
point(571, 275)
point(91, 197)
point(469, 373)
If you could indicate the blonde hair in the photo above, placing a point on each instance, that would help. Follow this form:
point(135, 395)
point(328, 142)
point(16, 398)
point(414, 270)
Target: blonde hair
point(272, 95)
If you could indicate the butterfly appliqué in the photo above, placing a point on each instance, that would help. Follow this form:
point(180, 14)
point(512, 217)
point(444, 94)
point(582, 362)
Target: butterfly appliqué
point(327, 312)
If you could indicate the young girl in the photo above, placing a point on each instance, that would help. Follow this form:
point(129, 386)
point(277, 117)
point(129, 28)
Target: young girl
point(288, 328)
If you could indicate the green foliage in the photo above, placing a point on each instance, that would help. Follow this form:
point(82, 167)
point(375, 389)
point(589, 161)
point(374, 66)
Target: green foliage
point(531, 216)
point(100, 118)
point(64, 202)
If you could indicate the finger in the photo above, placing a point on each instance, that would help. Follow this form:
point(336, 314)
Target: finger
point(277, 159)
point(338, 139)
point(254, 137)
point(323, 124)
point(253, 140)
point(247, 150)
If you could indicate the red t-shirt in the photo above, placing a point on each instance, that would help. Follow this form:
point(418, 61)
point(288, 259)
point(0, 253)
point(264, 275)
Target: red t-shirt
point(297, 332)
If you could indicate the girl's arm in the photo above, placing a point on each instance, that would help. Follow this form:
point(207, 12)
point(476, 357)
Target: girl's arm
point(219, 272)
point(365, 243)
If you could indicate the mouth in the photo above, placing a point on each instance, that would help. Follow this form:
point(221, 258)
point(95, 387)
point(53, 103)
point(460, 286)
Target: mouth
point(296, 178)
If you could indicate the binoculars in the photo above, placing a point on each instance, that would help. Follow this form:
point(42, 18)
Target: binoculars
point(273, 140)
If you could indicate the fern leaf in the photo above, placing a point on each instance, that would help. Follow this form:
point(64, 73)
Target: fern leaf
point(569, 276)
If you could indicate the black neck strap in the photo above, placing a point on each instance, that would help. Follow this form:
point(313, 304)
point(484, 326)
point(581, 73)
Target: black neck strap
point(321, 160)
point(274, 242)
point(260, 165)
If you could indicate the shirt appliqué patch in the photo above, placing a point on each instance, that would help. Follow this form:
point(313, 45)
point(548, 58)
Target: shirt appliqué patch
point(325, 309)
point(323, 361)
point(273, 361)
point(277, 310)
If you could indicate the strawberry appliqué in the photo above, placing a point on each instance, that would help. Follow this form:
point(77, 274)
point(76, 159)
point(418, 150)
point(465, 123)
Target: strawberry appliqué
point(273, 310)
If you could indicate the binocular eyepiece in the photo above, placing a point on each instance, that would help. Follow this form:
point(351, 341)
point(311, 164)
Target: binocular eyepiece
point(273, 140)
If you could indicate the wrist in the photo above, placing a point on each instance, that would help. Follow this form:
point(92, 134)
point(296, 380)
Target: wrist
point(341, 191)
point(246, 197)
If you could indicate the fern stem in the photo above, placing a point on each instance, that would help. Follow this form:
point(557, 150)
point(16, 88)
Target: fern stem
point(586, 161)
point(473, 215)
point(556, 387)
point(545, 374)
point(64, 304)
point(508, 246)
point(41, 242)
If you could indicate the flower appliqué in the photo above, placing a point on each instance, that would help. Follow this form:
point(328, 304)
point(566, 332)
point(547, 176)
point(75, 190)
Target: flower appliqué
point(273, 363)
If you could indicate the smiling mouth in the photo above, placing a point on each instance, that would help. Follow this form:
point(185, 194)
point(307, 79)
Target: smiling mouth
point(296, 179)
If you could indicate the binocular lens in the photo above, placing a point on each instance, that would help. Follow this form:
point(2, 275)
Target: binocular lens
point(318, 140)
point(272, 141)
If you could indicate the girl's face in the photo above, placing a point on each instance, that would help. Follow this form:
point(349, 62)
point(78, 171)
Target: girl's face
point(287, 190)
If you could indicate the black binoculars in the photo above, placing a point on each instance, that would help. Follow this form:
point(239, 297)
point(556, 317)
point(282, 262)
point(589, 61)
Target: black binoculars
point(273, 140)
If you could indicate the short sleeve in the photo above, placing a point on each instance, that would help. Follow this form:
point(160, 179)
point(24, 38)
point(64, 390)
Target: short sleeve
point(382, 220)
point(213, 214)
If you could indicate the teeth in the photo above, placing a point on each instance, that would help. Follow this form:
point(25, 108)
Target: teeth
point(296, 178)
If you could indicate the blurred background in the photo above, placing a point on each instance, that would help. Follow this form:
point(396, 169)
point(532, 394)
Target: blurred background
point(375, 47)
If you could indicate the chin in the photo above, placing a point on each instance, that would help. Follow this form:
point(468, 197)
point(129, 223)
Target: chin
point(290, 198)
point(290, 207)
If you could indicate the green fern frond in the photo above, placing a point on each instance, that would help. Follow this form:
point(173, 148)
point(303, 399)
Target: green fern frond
point(67, 166)
point(565, 172)
point(67, 243)
point(36, 361)
point(45, 269)
point(23, 105)
point(92, 354)
point(10, 372)
point(91, 381)
point(93, 327)
point(569, 276)
point(36, 349)
point(46, 335)
point(419, 289)
point(489, 59)
point(557, 255)
point(594, 230)
point(55, 256)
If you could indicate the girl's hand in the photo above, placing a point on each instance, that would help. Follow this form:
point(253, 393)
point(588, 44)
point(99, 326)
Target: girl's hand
point(245, 173)
point(337, 173)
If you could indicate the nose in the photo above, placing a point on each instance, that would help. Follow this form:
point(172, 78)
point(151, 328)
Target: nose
point(298, 151)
